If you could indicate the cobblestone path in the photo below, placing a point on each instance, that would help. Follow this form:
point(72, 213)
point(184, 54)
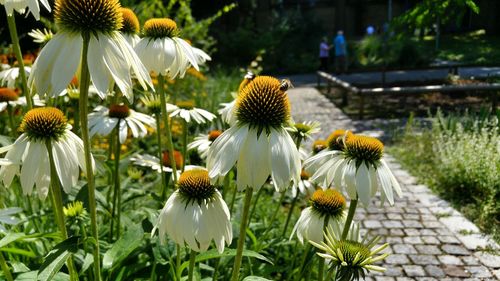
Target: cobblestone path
point(429, 240)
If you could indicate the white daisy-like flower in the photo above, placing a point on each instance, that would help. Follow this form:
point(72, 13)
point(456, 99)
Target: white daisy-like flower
point(10, 97)
point(195, 214)
point(146, 160)
point(41, 37)
point(9, 76)
point(110, 58)
point(201, 56)
point(359, 167)
point(130, 26)
point(353, 257)
point(162, 51)
point(202, 142)
point(258, 142)
point(103, 120)
point(304, 186)
point(326, 206)
point(39, 126)
point(187, 111)
point(21, 5)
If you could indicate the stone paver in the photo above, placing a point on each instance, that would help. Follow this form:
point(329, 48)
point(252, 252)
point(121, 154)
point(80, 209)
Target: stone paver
point(426, 235)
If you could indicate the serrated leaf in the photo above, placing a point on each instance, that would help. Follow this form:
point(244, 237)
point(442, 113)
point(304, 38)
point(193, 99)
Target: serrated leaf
point(123, 247)
point(212, 254)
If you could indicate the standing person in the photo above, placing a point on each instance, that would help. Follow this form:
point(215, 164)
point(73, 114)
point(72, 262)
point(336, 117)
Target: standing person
point(324, 54)
point(340, 52)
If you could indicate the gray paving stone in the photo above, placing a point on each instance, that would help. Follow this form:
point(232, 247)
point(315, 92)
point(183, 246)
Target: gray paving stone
point(428, 249)
point(432, 224)
point(424, 259)
point(411, 217)
point(372, 224)
point(428, 232)
point(496, 272)
point(404, 249)
point(458, 224)
point(413, 240)
point(470, 260)
point(479, 271)
point(488, 259)
point(475, 241)
point(392, 224)
point(404, 279)
point(455, 250)
point(414, 270)
point(393, 271)
point(455, 271)
point(396, 232)
point(393, 240)
point(428, 217)
point(450, 260)
point(384, 278)
point(412, 232)
point(394, 216)
point(434, 271)
point(397, 259)
point(412, 223)
point(430, 240)
point(448, 239)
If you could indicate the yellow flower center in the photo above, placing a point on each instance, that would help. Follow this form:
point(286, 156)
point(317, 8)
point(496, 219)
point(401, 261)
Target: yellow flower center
point(328, 202)
point(160, 28)
point(88, 16)
point(336, 139)
point(364, 149)
point(195, 185)
point(73, 209)
point(263, 104)
point(7, 95)
point(120, 111)
point(319, 145)
point(130, 22)
point(304, 175)
point(44, 123)
point(188, 104)
point(177, 157)
point(213, 135)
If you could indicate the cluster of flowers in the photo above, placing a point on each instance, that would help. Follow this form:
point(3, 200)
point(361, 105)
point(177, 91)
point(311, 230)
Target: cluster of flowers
point(99, 40)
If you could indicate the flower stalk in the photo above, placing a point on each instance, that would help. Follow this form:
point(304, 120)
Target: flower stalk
point(83, 109)
point(11, 22)
point(163, 189)
point(241, 240)
point(192, 261)
point(350, 216)
point(170, 145)
point(117, 191)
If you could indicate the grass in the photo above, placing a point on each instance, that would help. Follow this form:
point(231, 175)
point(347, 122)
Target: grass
point(458, 159)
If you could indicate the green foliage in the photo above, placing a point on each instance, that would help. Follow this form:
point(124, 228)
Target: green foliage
point(458, 158)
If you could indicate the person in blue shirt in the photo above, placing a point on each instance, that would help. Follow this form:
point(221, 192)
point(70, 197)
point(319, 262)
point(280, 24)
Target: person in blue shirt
point(340, 52)
point(324, 54)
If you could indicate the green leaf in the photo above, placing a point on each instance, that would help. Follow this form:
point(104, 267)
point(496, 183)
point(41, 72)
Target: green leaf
point(30, 276)
point(123, 247)
point(19, 252)
point(11, 237)
point(57, 257)
point(255, 278)
point(212, 254)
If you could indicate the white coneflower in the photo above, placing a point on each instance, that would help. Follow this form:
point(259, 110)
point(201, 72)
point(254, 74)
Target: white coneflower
point(9, 76)
point(187, 111)
point(200, 56)
point(227, 112)
point(21, 5)
point(359, 167)
point(41, 37)
point(203, 142)
point(103, 120)
point(304, 186)
point(130, 27)
point(110, 58)
point(353, 257)
point(258, 142)
point(153, 162)
point(326, 207)
point(195, 214)
point(162, 51)
point(10, 97)
point(41, 126)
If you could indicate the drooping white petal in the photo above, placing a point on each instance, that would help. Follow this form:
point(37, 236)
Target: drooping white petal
point(253, 164)
point(225, 150)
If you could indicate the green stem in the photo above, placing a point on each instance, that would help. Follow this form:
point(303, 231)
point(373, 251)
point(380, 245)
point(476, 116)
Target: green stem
point(163, 174)
point(5, 268)
point(290, 212)
point(170, 145)
point(241, 239)
point(321, 261)
point(216, 270)
point(225, 186)
point(11, 21)
point(254, 205)
point(192, 261)
point(117, 191)
point(350, 216)
point(233, 199)
point(83, 108)
point(304, 261)
point(184, 143)
point(275, 213)
point(11, 120)
point(178, 260)
point(55, 191)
